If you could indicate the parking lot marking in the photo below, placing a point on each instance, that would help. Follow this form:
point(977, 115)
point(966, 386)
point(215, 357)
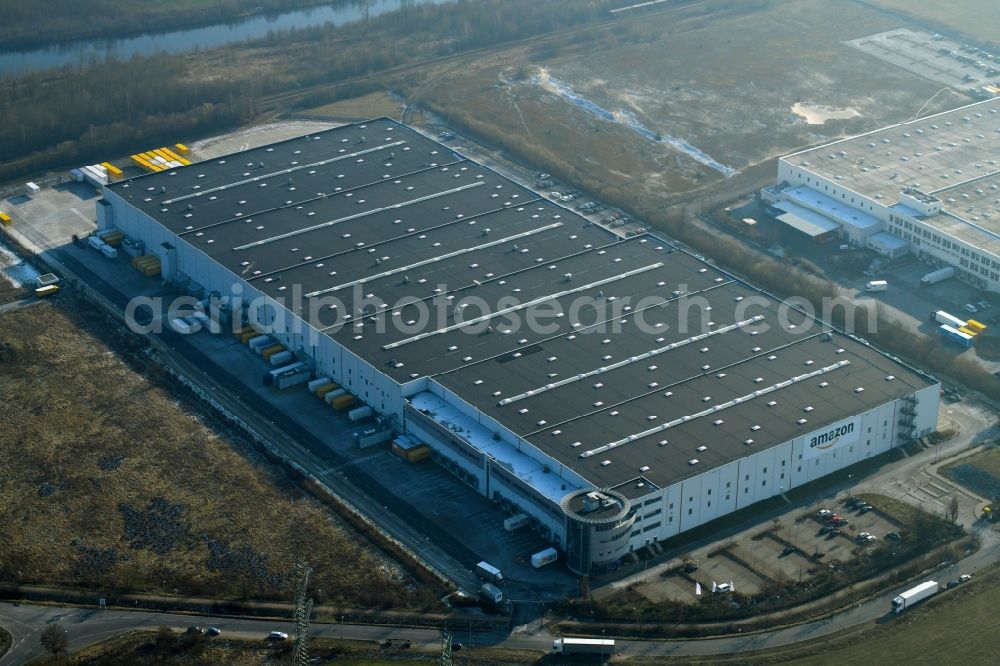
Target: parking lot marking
point(356, 461)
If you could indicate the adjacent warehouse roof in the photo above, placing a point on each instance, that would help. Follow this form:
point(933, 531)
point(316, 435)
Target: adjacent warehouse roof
point(952, 156)
point(620, 358)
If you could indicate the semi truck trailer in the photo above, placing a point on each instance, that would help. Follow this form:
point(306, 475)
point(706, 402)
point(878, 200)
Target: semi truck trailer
point(490, 573)
point(914, 595)
point(943, 317)
point(940, 275)
point(604, 646)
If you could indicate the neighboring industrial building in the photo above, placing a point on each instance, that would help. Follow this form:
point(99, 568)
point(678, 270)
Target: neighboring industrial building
point(678, 395)
point(929, 186)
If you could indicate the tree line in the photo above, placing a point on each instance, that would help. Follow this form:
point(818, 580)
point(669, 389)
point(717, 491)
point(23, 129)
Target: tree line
point(63, 118)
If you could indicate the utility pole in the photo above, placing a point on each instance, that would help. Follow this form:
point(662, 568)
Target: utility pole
point(303, 614)
point(446, 649)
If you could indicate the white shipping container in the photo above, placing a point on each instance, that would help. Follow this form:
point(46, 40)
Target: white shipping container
point(319, 381)
point(77, 175)
point(547, 556)
point(282, 358)
point(516, 522)
point(360, 413)
point(943, 317)
point(259, 343)
point(109, 252)
point(31, 188)
point(333, 395)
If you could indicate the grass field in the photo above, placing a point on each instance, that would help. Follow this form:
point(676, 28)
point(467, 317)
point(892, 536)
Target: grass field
point(721, 79)
point(110, 482)
point(367, 106)
point(960, 628)
point(175, 649)
point(977, 19)
point(5, 641)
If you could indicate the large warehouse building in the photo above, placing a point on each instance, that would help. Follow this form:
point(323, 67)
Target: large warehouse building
point(615, 389)
point(929, 186)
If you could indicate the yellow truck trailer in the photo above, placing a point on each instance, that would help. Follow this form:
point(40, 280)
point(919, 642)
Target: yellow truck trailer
point(344, 402)
point(112, 169)
point(321, 391)
point(268, 352)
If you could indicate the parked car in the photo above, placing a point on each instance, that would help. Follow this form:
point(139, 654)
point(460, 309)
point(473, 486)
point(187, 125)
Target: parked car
point(788, 550)
point(952, 583)
point(833, 533)
point(964, 577)
point(839, 522)
point(894, 536)
point(213, 631)
point(690, 567)
point(823, 513)
point(277, 636)
point(826, 529)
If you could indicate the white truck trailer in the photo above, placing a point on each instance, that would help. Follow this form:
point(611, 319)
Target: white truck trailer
point(605, 646)
point(492, 593)
point(943, 317)
point(516, 522)
point(914, 595)
point(490, 573)
point(876, 285)
point(547, 556)
point(940, 275)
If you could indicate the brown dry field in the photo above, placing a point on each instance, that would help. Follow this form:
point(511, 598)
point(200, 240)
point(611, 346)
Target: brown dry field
point(110, 482)
point(720, 78)
point(372, 105)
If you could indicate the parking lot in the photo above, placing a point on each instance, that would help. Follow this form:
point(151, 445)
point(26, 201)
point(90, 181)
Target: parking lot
point(791, 548)
point(961, 66)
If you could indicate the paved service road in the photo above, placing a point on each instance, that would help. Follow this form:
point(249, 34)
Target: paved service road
point(89, 626)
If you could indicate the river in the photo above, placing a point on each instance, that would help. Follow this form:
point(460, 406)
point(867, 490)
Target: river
point(182, 41)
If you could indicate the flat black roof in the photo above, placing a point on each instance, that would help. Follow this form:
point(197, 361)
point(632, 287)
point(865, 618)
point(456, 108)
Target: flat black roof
point(411, 243)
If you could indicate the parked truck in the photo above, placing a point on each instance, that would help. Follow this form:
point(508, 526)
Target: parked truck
point(876, 285)
point(914, 595)
point(943, 317)
point(490, 573)
point(940, 275)
point(953, 334)
point(605, 646)
point(516, 522)
point(541, 558)
point(492, 593)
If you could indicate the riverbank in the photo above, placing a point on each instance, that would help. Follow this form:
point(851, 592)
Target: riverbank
point(34, 25)
point(63, 118)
